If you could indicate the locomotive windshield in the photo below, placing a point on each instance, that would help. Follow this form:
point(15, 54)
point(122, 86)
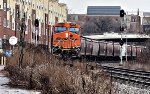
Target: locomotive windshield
point(74, 30)
point(60, 29)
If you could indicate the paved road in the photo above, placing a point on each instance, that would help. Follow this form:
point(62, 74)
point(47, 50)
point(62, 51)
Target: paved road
point(4, 89)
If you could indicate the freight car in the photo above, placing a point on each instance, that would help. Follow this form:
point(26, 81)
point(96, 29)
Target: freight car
point(67, 42)
point(107, 50)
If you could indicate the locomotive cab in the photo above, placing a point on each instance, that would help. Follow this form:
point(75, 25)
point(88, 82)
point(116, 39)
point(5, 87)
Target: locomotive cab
point(66, 38)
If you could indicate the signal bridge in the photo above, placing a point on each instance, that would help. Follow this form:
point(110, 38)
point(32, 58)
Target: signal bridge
point(117, 36)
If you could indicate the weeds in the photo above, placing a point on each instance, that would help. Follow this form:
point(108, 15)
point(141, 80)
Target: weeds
point(43, 71)
point(142, 62)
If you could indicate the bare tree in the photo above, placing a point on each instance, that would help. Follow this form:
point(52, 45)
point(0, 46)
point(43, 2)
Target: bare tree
point(101, 25)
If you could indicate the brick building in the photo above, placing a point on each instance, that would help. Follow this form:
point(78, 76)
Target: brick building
point(47, 12)
point(133, 23)
point(146, 22)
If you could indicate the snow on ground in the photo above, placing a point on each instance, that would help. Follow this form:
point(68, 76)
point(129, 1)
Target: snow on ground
point(4, 89)
point(127, 89)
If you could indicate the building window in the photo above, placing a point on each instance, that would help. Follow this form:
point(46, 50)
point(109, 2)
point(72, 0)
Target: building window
point(46, 32)
point(13, 14)
point(26, 29)
point(46, 20)
point(43, 32)
point(13, 26)
point(32, 36)
point(76, 18)
point(29, 28)
point(4, 22)
point(133, 20)
point(5, 7)
point(8, 24)
point(56, 19)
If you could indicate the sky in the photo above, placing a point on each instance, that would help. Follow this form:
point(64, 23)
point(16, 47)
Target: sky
point(80, 6)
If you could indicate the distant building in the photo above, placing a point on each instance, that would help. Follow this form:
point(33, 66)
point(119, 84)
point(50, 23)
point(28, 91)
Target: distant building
point(78, 18)
point(146, 21)
point(132, 22)
point(103, 10)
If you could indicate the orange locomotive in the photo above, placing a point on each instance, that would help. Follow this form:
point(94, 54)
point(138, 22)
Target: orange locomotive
point(66, 38)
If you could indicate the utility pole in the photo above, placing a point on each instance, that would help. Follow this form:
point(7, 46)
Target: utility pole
point(22, 42)
point(22, 37)
point(48, 29)
point(121, 44)
point(126, 48)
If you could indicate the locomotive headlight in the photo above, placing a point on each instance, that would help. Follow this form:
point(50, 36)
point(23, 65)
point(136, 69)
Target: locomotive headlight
point(67, 35)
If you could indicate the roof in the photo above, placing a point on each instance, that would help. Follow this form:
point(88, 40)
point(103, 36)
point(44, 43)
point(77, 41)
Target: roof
point(117, 36)
point(103, 10)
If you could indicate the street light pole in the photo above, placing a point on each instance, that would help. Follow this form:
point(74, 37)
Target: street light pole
point(121, 51)
point(126, 49)
point(22, 42)
point(4, 48)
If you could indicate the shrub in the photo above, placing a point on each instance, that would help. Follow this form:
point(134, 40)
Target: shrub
point(43, 71)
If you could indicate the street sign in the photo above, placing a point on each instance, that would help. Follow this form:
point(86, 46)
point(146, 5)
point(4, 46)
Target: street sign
point(7, 53)
point(13, 40)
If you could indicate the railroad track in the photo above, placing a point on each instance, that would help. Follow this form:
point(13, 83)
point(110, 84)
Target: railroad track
point(135, 76)
point(140, 77)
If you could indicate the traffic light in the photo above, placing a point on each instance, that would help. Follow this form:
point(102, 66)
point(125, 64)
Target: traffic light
point(121, 42)
point(122, 13)
point(36, 23)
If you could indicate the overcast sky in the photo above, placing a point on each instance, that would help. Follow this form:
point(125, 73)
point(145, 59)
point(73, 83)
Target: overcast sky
point(80, 6)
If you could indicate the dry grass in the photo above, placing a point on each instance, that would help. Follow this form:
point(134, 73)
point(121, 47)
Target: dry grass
point(48, 73)
point(141, 63)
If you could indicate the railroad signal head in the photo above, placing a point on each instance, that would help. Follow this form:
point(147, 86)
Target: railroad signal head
point(36, 23)
point(122, 13)
point(18, 13)
point(121, 28)
point(121, 42)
